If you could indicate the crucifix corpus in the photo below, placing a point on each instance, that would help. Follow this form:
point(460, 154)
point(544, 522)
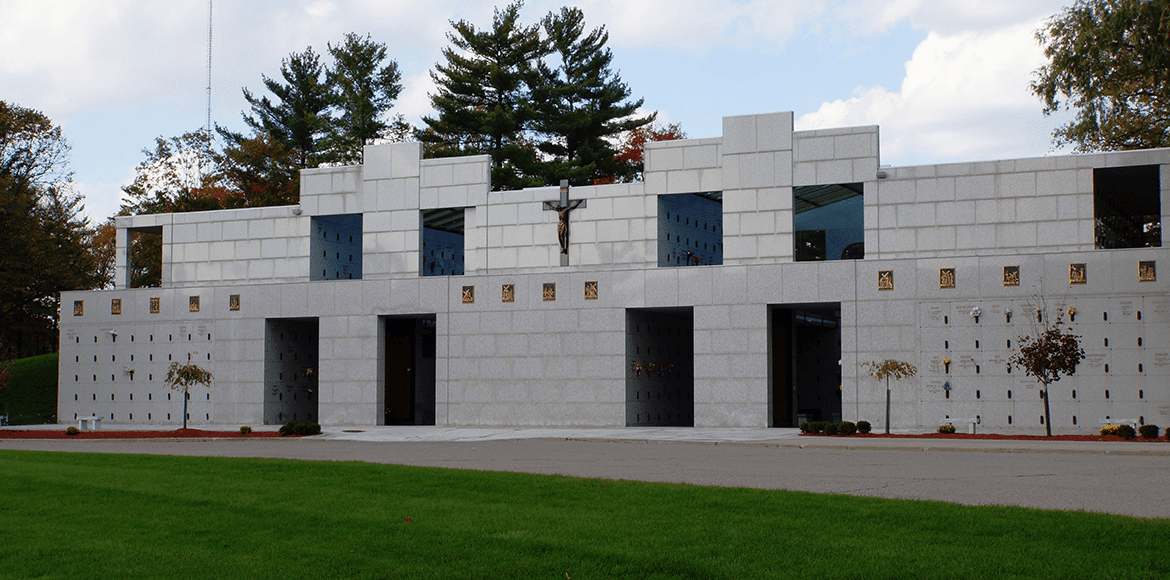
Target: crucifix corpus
point(563, 206)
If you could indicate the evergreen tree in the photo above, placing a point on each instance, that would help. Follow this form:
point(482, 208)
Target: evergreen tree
point(582, 105)
point(300, 120)
point(363, 90)
point(484, 99)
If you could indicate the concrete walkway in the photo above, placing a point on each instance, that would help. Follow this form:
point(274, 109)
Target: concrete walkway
point(1117, 477)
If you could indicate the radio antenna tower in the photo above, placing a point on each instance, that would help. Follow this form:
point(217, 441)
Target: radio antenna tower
point(209, 69)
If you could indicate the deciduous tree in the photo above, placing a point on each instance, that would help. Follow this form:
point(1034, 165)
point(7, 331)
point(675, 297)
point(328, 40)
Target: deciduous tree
point(1109, 60)
point(44, 236)
point(886, 370)
point(182, 377)
point(1053, 352)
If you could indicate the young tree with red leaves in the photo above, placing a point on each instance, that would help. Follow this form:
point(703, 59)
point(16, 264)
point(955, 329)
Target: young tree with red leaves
point(1055, 351)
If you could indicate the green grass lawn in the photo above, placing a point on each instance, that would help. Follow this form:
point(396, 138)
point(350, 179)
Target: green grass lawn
point(66, 515)
point(31, 395)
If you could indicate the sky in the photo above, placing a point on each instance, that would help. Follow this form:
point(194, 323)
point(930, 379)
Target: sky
point(946, 80)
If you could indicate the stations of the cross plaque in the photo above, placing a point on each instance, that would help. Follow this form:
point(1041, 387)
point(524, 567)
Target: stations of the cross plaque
point(563, 207)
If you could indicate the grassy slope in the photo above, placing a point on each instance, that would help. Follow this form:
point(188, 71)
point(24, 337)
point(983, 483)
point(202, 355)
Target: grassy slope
point(118, 516)
point(31, 395)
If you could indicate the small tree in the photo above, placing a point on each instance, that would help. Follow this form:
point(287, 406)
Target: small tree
point(1055, 351)
point(182, 377)
point(886, 370)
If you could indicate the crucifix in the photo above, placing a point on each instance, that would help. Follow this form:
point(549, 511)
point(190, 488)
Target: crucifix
point(563, 206)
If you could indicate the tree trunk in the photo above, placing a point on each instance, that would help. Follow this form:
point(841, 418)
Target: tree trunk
point(887, 406)
point(185, 397)
point(1047, 415)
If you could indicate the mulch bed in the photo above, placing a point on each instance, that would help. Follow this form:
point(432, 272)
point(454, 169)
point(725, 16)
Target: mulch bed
point(991, 436)
point(109, 434)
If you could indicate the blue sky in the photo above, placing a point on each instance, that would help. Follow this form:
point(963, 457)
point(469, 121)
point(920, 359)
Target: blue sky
point(947, 80)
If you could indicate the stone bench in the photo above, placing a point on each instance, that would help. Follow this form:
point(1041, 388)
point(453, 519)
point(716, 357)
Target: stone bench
point(1131, 422)
point(95, 422)
point(971, 422)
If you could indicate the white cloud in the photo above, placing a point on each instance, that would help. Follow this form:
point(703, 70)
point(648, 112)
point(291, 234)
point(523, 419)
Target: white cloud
point(964, 96)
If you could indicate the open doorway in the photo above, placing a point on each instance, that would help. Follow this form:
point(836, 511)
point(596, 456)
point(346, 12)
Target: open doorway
point(290, 370)
point(408, 370)
point(805, 350)
point(660, 367)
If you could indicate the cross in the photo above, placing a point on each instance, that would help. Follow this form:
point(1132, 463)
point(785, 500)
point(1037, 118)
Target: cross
point(563, 206)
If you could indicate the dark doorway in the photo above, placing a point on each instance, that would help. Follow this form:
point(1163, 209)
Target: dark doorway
point(1127, 207)
point(660, 365)
point(805, 350)
point(290, 370)
point(408, 396)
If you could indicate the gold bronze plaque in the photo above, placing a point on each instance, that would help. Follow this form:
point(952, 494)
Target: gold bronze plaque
point(946, 277)
point(79, 308)
point(234, 302)
point(508, 293)
point(193, 304)
point(1011, 275)
point(885, 279)
point(1147, 271)
point(549, 293)
point(591, 290)
point(155, 305)
point(469, 294)
point(1076, 274)
point(116, 306)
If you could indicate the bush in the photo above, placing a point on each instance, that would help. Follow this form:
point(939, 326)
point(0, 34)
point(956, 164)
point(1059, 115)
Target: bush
point(865, 427)
point(846, 427)
point(294, 428)
point(1125, 432)
point(1109, 430)
point(1168, 433)
point(806, 427)
point(73, 431)
point(831, 428)
point(948, 428)
point(245, 430)
point(1148, 431)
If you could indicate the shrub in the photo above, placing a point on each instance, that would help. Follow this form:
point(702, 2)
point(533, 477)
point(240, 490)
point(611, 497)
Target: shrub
point(1109, 430)
point(846, 427)
point(948, 428)
point(73, 431)
point(865, 427)
point(294, 428)
point(1148, 431)
point(1125, 432)
point(806, 427)
point(245, 430)
point(1168, 433)
point(831, 428)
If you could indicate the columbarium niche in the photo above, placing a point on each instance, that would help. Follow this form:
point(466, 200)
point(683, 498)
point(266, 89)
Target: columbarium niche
point(660, 364)
point(290, 370)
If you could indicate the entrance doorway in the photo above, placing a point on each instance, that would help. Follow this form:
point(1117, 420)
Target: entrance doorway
point(290, 370)
point(805, 351)
point(660, 367)
point(408, 370)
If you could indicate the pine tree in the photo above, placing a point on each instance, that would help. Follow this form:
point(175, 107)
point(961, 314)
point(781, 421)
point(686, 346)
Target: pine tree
point(484, 100)
point(582, 105)
point(363, 91)
point(300, 120)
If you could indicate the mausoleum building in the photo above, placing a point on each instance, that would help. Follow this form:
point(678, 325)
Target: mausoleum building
point(741, 284)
